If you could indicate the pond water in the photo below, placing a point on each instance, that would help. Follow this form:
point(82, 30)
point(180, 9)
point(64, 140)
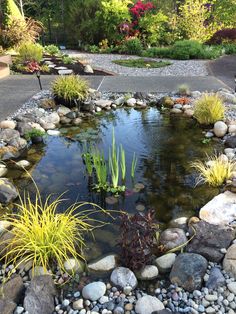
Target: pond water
point(164, 144)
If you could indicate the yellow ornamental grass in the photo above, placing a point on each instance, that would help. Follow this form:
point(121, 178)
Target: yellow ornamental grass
point(209, 109)
point(215, 171)
point(47, 237)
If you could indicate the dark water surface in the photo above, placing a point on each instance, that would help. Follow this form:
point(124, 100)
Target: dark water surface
point(164, 144)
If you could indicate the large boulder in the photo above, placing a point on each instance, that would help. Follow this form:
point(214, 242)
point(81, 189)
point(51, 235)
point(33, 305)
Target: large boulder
point(221, 210)
point(8, 192)
point(13, 289)
point(122, 277)
point(148, 304)
point(7, 307)
point(106, 263)
point(172, 238)
point(209, 240)
point(7, 135)
point(229, 262)
point(94, 291)
point(188, 271)
point(39, 297)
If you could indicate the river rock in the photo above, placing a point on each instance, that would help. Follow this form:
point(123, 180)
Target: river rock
point(232, 287)
point(209, 240)
point(220, 128)
point(221, 210)
point(122, 277)
point(172, 238)
point(188, 271)
point(62, 111)
point(24, 128)
point(148, 272)
point(7, 307)
point(165, 262)
point(88, 69)
point(13, 289)
point(74, 266)
point(166, 101)
point(131, 102)
point(148, 304)
point(189, 113)
point(231, 142)
point(216, 279)
point(228, 97)
point(7, 124)
point(53, 132)
point(19, 143)
point(7, 135)
point(94, 291)
point(8, 192)
point(103, 103)
point(3, 170)
point(23, 164)
point(105, 263)
point(39, 297)
point(232, 128)
point(51, 118)
point(176, 110)
point(78, 121)
point(229, 262)
point(48, 126)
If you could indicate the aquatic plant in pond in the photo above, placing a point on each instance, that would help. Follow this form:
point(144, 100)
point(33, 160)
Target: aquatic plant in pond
point(100, 167)
point(134, 165)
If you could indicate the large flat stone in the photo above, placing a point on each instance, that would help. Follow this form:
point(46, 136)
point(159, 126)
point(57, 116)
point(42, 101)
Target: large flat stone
point(221, 210)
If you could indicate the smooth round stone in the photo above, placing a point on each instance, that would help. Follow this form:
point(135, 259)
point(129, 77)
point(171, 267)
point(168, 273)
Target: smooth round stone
point(73, 266)
point(19, 310)
point(209, 135)
point(140, 208)
point(111, 200)
point(3, 170)
point(66, 302)
point(94, 291)
point(78, 305)
point(232, 287)
point(122, 277)
point(232, 128)
point(131, 102)
point(220, 128)
point(7, 124)
point(175, 110)
point(105, 263)
point(148, 272)
point(53, 132)
point(23, 164)
point(165, 262)
point(148, 304)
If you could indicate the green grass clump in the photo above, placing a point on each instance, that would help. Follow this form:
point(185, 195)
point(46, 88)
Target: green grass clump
point(209, 109)
point(142, 63)
point(34, 133)
point(186, 49)
point(70, 88)
point(29, 52)
point(215, 171)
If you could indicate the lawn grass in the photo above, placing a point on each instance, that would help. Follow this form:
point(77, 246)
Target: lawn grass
point(142, 63)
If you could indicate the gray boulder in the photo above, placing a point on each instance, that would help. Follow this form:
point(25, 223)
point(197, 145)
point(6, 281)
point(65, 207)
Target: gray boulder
point(122, 277)
point(209, 240)
point(7, 307)
point(39, 297)
point(188, 271)
point(13, 289)
point(172, 238)
point(8, 192)
point(7, 135)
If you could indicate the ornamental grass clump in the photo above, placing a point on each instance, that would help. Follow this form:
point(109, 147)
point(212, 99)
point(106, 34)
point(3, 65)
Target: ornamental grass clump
point(70, 88)
point(209, 109)
point(215, 171)
point(46, 237)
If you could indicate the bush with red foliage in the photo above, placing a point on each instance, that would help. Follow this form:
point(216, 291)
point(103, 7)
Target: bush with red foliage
point(227, 35)
point(140, 8)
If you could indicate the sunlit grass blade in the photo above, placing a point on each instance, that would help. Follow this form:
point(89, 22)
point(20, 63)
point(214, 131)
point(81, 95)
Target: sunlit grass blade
point(134, 165)
point(114, 162)
point(122, 163)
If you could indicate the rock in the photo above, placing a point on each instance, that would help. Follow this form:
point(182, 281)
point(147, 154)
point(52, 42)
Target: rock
point(7, 306)
point(65, 72)
point(78, 305)
point(105, 263)
point(232, 128)
point(94, 291)
point(19, 143)
point(148, 272)
point(209, 134)
point(189, 113)
point(216, 279)
point(78, 121)
point(9, 152)
point(37, 126)
point(165, 262)
point(62, 111)
point(180, 223)
point(131, 102)
point(48, 126)
point(7, 124)
point(71, 115)
point(47, 104)
point(120, 101)
point(64, 120)
point(53, 132)
point(228, 97)
point(13, 289)
point(220, 128)
point(51, 118)
point(122, 277)
point(188, 271)
point(19, 310)
point(196, 94)
point(148, 304)
point(88, 106)
point(3, 170)
point(221, 210)
point(103, 103)
point(4, 226)
point(23, 164)
point(231, 142)
point(7, 135)
point(8, 192)
point(88, 69)
point(37, 271)
point(24, 128)
point(172, 238)
point(229, 262)
point(209, 240)
point(178, 106)
point(175, 110)
point(232, 287)
point(74, 266)
point(166, 101)
point(39, 297)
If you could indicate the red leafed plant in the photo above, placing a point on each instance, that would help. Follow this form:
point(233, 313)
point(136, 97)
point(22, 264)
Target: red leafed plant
point(182, 100)
point(33, 66)
point(138, 234)
point(140, 8)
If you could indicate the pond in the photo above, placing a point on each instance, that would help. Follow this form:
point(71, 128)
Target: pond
point(165, 146)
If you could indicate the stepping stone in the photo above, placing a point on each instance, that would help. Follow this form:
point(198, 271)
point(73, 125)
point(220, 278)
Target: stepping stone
point(61, 68)
point(52, 65)
point(65, 72)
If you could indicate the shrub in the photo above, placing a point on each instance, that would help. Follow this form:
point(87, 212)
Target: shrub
point(229, 49)
point(215, 171)
point(162, 52)
point(209, 109)
point(29, 52)
point(52, 50)
point(184, 90)
point(34, 133)
point(45, 236)
point(222, 36)
point(211, 52)
point(132, 46)
point(186, 49)
point(70, 88)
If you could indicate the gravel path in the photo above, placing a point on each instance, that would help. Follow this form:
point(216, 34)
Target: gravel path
point(177, 68)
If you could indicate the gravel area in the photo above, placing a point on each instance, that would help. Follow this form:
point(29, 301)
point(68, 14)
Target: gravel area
point(177, 68)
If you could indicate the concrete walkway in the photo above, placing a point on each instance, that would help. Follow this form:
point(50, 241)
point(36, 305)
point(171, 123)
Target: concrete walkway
point(16, 90)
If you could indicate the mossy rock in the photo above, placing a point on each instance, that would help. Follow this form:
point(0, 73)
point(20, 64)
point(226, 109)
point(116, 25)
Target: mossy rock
point(166, 101)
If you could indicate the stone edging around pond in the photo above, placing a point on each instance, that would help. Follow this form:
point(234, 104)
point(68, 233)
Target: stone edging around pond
point(200, 281)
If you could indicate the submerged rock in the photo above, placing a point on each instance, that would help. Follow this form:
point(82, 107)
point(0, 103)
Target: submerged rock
point(209, 240)
point(148, 304)
point(8, 192)
point(165, 262)
point(172, 238)
point(74, 266)
point(94, 291)
point(188, 271)
point(221, 210)
point(122, 277)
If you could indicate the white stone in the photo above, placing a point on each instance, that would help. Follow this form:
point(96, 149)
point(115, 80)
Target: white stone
point(209, 135)
point(61, 68)
point(122, 277)
point(175, 110)
point(65, 72)
point(3, 170)
point(196, 94)
point(98, 109)
point(94, 291)
point(7, 124)
point(88, 69)
point(232, 128)
point(189, 113)
point(229, 151)
point(223, 158)
point(165, 262)
point(78, 305)
point(37, 271)
point(23, 164)
point(148, 304)
point(53, 132)
point(148, 272)
point(232, 287)
point(106, 263)
point(4, 225)
point(220, 128)
point(62, 110)
point(131, 102)
point(221, 210)
point(73, 266)
point(103, 103)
